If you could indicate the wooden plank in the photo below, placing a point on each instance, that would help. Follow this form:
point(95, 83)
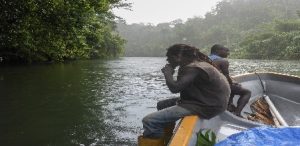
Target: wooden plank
point(184, 131)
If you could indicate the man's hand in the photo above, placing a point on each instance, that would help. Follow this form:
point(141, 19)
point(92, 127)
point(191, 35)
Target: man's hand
point(168, 69)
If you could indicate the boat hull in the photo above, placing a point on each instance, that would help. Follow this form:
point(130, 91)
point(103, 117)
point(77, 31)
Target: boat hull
point(283, 91)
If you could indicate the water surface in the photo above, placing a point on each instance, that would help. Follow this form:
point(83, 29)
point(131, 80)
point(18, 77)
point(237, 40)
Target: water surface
point(91, 102)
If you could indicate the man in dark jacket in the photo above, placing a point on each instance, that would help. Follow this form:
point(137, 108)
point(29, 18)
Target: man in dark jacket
point(204, 91)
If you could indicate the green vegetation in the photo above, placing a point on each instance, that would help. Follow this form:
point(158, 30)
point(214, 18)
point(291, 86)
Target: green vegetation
point(58, 30)
point(206, 138)
point(255, 29)
point(280, 41)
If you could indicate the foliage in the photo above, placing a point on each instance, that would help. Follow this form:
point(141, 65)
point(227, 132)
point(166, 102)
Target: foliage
point(206, 138)
point(281, 42)
point(230, 23)
point(58, 30)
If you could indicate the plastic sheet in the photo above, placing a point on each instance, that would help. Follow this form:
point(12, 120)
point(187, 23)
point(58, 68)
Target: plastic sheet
point(264, 136)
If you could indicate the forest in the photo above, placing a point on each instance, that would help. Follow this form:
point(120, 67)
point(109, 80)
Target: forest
point(60, 30)
point(252, 29)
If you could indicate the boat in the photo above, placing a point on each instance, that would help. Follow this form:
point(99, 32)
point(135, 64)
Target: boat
point(280, 91)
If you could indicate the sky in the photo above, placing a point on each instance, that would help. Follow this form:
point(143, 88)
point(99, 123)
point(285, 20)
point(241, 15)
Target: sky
point(159, 11)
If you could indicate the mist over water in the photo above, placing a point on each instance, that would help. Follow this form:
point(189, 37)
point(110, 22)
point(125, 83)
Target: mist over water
point(91, 102)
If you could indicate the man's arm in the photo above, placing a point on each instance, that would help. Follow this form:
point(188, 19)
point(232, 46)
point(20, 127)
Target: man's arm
point(224, 67)
point(188, 77)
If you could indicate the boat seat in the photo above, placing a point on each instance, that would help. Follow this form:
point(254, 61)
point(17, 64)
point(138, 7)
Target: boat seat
point(184, 131)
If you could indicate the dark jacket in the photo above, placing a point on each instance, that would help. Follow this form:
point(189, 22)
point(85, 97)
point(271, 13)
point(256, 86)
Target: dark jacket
point(209, 92)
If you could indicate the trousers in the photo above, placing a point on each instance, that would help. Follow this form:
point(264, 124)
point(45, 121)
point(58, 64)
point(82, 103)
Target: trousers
point(168, 112)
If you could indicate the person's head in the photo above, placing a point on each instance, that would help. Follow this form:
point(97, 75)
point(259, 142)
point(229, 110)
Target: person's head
point(182, 54)
point(179, 54)
point(219, 50)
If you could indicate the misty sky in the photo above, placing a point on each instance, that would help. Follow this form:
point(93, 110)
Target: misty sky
point(158, 11)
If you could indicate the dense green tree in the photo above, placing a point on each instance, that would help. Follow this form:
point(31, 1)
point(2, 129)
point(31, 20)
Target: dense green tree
point(282, 41)
point(58, 30)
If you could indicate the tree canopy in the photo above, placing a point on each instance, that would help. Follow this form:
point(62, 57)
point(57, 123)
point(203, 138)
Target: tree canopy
point(58, 30)
point(245, 26)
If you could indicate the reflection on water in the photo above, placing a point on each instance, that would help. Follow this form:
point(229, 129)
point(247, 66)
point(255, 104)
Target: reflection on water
point(91, 102)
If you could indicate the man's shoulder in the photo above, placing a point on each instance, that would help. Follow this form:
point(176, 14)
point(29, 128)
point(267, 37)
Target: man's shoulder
point(198, 64)
point(214, 57)
point(221, 60)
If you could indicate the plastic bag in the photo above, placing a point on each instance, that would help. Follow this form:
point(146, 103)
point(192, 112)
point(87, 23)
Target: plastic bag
point(264, 136)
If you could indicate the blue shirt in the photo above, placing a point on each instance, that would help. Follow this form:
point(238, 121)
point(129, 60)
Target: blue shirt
point(214, 57)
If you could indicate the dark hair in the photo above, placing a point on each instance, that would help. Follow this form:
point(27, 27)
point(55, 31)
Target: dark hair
point(216, 48)
point(188, 52)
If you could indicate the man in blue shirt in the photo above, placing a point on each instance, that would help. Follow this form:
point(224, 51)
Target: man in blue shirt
point(218, 55)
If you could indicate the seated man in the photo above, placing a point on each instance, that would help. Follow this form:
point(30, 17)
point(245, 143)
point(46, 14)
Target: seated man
point(204, 91)
point(218, 55)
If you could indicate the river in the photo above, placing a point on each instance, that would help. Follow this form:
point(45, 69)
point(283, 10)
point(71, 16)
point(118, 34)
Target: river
point(87, 103)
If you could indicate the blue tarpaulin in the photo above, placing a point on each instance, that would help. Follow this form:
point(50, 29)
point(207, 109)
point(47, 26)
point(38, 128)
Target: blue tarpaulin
point(264, 136)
